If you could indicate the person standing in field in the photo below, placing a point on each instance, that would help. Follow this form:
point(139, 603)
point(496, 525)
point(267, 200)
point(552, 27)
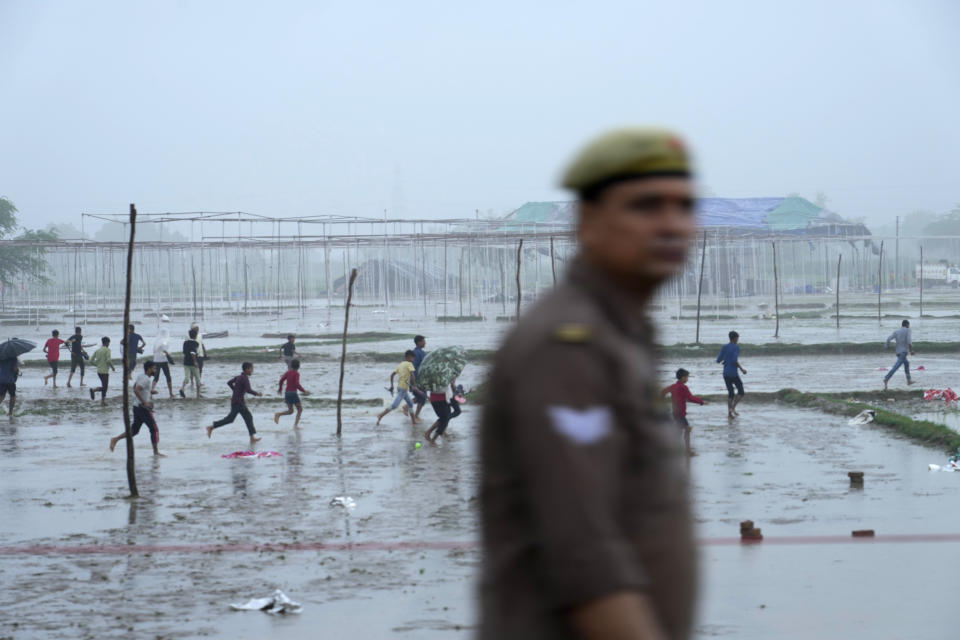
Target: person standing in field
point(102, 360)
point(288, 352)
point(730, 357)
point(133, 345)
point(201, 352)
point(419, 349)
point(903, 337)
point(162, 361)
point(77, 355)
point(240, 385)
point(191, 362)
point(52, 349)
point(585, 519)
point(292, 379)
point(143, 410)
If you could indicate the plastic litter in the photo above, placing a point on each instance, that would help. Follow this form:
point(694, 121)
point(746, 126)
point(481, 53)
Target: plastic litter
point(250, 455)
point(864, 417)
point(277, 603)
point(948, 395)
point(952, 465)
point(343, 501)
point(920, 368)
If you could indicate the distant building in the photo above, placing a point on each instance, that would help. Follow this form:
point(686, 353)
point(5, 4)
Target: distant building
point(734, 216)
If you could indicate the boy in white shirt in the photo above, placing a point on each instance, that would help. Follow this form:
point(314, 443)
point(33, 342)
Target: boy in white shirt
point(142, 410)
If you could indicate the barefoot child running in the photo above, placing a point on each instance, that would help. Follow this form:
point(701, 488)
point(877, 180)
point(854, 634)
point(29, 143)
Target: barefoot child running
point(292, 377)
point(52, 349)
point(101, 359)
point(405, 379)
point(238, 404)
point(680, 394)
point(143, 410)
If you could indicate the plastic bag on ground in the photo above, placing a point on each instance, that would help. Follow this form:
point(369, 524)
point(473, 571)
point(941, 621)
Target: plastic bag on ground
point(277, 603)
point(864, 417)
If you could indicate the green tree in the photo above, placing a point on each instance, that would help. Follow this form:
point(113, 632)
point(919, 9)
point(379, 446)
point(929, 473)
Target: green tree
point(17, 260)
point(946, 225)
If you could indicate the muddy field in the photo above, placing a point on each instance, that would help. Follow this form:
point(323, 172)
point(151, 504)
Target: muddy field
point(88, 562)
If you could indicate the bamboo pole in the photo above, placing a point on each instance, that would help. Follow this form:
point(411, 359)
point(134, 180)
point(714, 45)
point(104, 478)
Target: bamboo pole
point(776, 291)
point(131, 470)
point(839, 260)
point(703, 263)
point(460, 282)
point(921, 280)
point(519, 289)
point(343, 353)
point(553, 263)
point(879, 281)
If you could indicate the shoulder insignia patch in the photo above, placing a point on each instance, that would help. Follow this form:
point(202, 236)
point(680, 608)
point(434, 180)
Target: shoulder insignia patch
point(573, 333)
point(582, 427)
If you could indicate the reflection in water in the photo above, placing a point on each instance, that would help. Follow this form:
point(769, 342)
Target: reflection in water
point(9, 442)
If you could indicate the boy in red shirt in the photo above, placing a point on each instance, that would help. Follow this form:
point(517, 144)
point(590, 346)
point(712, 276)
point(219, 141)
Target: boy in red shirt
point(680, 394)
point(52, 349)
point(292, 378)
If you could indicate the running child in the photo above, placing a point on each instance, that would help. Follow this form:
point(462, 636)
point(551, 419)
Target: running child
point(405, 379)
point(238, 403)
point(730, 357)
point(680, 395)
point(77, 355)
point(143, 410)
point(292, 378)
point(102, 361)
point(446, 411)
point(52, 349)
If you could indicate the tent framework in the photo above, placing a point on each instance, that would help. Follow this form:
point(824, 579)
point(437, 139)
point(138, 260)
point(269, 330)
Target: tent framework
point(455, 267)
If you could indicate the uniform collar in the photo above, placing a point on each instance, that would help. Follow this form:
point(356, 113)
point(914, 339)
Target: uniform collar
point(618, 304)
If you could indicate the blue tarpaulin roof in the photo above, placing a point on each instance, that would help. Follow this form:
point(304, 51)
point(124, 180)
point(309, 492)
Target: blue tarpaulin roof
point(751, 215)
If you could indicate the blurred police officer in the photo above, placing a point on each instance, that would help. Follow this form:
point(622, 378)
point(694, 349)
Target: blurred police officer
point(586, 525)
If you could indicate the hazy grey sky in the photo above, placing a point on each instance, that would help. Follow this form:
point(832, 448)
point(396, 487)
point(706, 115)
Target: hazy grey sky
point(438, 109)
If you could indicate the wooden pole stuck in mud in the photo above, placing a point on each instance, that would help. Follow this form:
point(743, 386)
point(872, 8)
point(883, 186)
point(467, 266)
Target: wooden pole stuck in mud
point(343, 353)
point(703, 263)
point(131, 470)
point(879, 281)
point(839, 260)
point(519, 290)
point(776, 291)
point(921, 280)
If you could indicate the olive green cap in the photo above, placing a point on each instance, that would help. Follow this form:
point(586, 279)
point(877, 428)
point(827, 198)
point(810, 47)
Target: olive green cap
point(627, 153)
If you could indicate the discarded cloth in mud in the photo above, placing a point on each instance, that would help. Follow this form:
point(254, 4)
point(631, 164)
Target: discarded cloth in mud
point(864, 417)
point(277, 603)
point(948, 395)
point(343, 501)
point(252, 454)
point(950, 467)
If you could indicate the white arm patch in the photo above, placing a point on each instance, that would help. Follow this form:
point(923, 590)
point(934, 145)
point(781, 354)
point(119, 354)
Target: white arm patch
point(582, 427)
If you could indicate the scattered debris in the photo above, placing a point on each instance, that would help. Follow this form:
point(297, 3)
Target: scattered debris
point(856, 478)
point(864, 417)
point(948, 395)
point(343, 501)
point(863, 533)
point(277, 603)
point(252, 454)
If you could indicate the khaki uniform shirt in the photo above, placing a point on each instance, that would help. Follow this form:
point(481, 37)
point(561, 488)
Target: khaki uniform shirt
point(584, 489)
